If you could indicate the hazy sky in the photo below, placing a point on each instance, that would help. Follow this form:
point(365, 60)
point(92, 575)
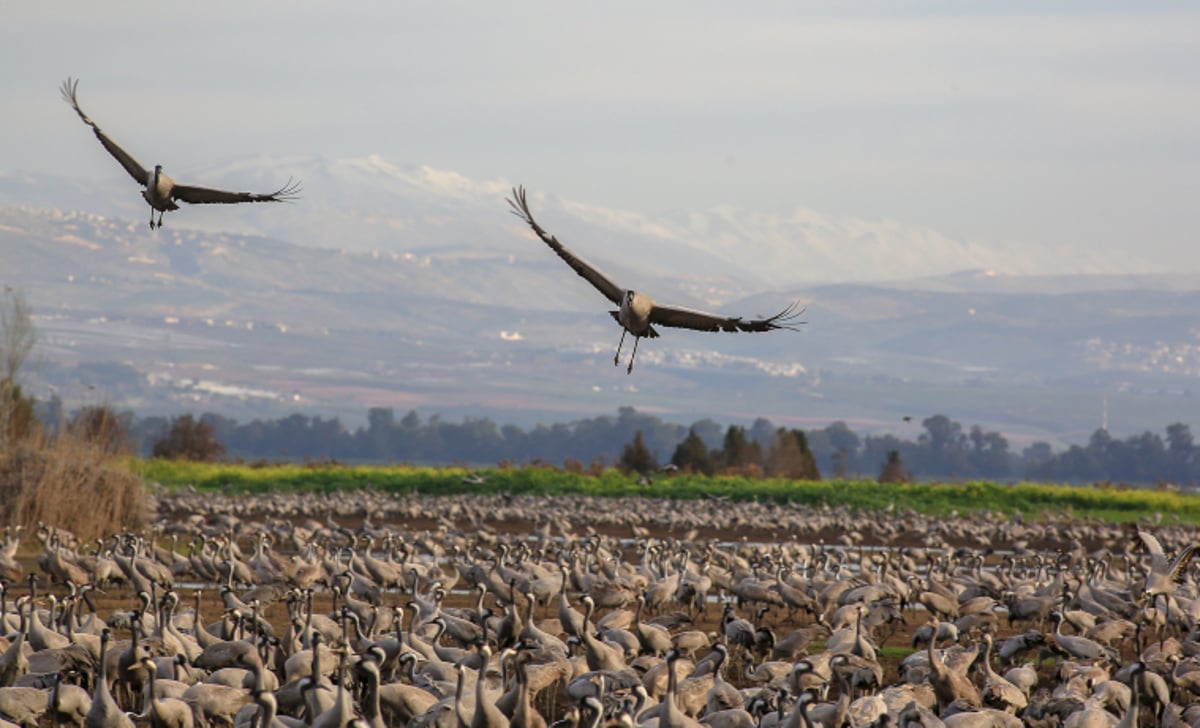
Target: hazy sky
point(1064, 124)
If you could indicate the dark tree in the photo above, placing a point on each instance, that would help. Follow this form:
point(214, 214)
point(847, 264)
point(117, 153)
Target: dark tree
point(737, 452)
point(693, 455)
point(1144, 458)
point(381, 419)
point(411, 421)
point(637, 458)
point(836, 448)
point(841, 437)
point(1079, 463)
point(1183, 458)
point(789, 457)
point(1145, 455)
point(762, 432)
point(188, 439)
point(876, 448)
point(989, 456)
point(812, 472)
point(1039, 461)
point(943, 447)
point(709, 431)
point(893, 470)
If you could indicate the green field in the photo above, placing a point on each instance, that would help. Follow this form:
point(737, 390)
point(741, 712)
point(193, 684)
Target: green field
point(1030, 499)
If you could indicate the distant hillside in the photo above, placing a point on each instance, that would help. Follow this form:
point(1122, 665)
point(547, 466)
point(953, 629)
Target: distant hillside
point(370, 203)
point(456, 309)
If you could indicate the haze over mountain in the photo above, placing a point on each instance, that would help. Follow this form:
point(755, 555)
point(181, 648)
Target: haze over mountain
point(407, 286)
point(369, 203)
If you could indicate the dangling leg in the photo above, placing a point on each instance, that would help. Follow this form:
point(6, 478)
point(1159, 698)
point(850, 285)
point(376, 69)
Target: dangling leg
point(617, 356)
point(636, 339)
point(151, 218)
point(160, 214)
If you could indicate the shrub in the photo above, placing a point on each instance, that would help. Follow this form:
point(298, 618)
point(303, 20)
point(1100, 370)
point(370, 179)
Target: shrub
point(693, 456)
point(597, 467)
point(790, 457)
point(69, 482)
point(893, 470)
point(102, 427)
point(72, 480)
point(16, 413)
point(188, 438)
point(738, 453)
point(636, 457)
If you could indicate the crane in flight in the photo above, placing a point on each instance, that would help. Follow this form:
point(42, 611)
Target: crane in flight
point(637, 311)
point(161, 192)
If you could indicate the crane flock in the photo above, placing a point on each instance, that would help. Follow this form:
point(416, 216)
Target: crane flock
point(569, 611)
point(527, 611)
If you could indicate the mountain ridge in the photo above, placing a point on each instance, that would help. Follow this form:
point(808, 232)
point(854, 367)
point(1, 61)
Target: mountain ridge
point(188, 318)
point(370, 203)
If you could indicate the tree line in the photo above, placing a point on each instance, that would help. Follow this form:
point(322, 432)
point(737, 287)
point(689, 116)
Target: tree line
point(940, 448)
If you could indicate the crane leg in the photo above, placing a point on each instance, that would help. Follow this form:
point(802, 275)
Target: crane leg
point(617, 356)
point(636, 339)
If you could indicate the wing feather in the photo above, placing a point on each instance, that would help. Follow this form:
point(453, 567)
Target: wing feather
point(131, 165)
point(686, 318)
point(1150, 542)
point(1158, 559)
point(1181, 563)
point(209, 196)
point(611, 291)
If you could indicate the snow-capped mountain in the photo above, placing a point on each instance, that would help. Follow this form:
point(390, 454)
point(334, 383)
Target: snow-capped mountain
point(412, 287)
point(236, 323)
point(371, 203)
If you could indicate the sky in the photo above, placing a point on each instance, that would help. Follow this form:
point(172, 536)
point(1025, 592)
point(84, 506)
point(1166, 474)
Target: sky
point(1069, 124)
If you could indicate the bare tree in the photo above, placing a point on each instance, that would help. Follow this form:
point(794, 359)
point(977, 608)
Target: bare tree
point(17, 335)
point(17, 339)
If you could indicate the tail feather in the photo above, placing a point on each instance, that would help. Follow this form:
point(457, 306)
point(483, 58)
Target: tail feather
point(650, 332)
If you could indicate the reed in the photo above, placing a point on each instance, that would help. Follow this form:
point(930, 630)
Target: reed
point(70, 481)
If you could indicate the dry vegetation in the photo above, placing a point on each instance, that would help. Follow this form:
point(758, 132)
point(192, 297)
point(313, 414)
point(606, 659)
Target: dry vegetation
point(72, 482)
point(76, 479)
